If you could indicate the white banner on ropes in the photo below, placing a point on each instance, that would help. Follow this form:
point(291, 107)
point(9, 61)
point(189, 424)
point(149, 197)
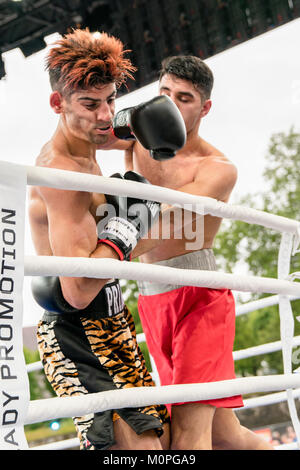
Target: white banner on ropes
point(14, 384)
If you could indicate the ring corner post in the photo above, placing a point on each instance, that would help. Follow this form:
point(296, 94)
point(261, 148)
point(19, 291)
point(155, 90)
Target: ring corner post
point(14, 383)
point(287, 323)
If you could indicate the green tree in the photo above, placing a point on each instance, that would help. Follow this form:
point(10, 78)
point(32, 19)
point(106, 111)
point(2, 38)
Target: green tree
point(257, 247)
point(130, 293)
point(39, 386)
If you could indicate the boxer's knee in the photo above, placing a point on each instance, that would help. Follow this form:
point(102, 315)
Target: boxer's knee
point(191, 426)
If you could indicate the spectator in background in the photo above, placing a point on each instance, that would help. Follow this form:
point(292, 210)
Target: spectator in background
point(276, 439)
point(291, 433)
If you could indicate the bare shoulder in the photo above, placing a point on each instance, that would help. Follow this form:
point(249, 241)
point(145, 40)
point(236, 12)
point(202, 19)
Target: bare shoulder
point(217, 176)
point(214, 162)
point(218, 168)
point(48, 158)
point(220, 163)
point(52, 156)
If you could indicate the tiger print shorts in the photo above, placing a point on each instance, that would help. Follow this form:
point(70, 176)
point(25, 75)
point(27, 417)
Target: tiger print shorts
point(84, 355)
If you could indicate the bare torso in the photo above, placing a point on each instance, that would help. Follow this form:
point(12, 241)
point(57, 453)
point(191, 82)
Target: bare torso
point(51, 156)
point(179, 173)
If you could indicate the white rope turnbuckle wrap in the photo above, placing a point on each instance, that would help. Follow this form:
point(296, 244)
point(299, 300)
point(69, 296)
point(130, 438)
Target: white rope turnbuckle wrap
point(287, 323)
point(284, 289)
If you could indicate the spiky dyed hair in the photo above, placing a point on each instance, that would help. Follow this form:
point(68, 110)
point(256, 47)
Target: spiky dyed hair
point(81, 60)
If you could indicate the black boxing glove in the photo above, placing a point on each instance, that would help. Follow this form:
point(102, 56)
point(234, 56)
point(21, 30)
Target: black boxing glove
point(130, 220)
point(156, 124)
point(46, 291)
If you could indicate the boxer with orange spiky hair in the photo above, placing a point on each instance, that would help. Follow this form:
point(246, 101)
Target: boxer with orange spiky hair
point(80, 66)
point(83, 60)
point(86, 338)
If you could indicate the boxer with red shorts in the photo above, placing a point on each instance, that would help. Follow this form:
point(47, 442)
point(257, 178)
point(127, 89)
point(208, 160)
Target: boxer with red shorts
point(190, 330)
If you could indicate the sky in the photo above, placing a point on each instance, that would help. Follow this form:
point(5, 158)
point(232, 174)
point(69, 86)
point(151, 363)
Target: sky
point(256, 93)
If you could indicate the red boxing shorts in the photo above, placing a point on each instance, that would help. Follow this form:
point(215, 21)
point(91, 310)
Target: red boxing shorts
point(190, 333)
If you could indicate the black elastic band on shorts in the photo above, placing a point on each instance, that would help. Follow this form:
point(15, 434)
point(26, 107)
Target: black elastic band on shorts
point(108, 303)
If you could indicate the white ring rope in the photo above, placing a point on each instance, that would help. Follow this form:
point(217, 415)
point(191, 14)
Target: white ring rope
point(260, 303)
point(106, 268)
point(255, 402)
point(70, 180)
point(63, 407)
point(43, 410)
point(62, 179)
point(271, 399)
point(263, 349)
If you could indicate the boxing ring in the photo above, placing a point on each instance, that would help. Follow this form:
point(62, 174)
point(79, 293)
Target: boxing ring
point(18, 410)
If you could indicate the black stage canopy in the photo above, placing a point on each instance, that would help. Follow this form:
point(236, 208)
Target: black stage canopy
point(151, 29)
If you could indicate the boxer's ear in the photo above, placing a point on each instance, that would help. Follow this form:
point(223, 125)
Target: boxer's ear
point(56, 102)
point(206, 108)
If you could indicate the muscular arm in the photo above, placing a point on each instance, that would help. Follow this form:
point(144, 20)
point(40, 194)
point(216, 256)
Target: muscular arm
point(72, 233)
point(216, 179)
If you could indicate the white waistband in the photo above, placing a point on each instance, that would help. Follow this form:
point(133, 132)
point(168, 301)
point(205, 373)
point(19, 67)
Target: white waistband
point(202, 259)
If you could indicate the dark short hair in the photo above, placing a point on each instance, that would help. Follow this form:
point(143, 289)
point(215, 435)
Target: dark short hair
point(190, 68)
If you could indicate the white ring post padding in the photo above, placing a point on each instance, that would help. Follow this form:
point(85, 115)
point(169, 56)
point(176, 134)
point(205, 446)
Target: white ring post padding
point(287, 324)
point(63, 407)
point(70, 180)
point(103, 268)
